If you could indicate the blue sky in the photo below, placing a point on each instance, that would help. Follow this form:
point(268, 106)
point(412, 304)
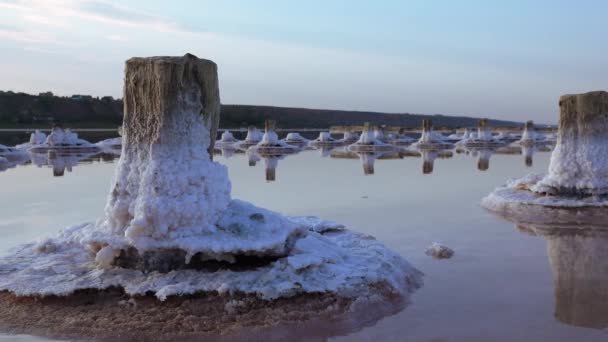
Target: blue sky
point(500, 59)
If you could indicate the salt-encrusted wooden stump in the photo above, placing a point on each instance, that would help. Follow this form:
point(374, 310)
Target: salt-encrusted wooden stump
point(528, 137)
point(578, 172)
point(368, 143)
point(430, 140)
point(484, 138)
point(172, 230)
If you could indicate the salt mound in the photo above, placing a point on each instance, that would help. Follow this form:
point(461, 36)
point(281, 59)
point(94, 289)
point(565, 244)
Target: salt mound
point(171, 227)
point(578, 172)
point(430, 140)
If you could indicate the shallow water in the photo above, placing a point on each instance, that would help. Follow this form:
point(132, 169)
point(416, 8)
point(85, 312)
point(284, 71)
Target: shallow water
point(498, 286)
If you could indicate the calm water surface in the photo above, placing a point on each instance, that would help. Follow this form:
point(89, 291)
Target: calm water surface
point(498, 286)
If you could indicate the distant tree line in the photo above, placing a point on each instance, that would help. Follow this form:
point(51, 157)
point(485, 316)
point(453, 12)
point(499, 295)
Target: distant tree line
point(45, 109)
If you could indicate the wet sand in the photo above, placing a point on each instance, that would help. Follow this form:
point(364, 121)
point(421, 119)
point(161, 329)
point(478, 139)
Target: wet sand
point(112, 315)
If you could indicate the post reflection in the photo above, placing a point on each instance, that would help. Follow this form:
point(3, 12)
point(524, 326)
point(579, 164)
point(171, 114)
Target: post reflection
point(60, 162)
point(577, 248)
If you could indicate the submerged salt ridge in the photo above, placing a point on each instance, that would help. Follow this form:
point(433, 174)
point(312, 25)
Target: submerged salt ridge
point(169, 198)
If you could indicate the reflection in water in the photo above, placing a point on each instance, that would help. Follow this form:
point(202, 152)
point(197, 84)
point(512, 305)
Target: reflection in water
point(483, 159)
point(429, 156)
point(271, 162)
point(227, 151)
point(64, 161)
point(9, 161)
point(579, 261)
point(483, 156)
point(368, 159)
point(528, 152)
point(252, 157)
point(577, 247)
point(325, 151)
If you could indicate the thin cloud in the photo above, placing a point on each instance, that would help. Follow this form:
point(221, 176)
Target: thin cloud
point(44, 20)
point(28, 36)
point(38, 49)
point(117, 38)
point(57, 12)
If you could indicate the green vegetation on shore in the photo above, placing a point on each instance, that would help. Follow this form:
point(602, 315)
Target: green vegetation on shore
point(20, 110)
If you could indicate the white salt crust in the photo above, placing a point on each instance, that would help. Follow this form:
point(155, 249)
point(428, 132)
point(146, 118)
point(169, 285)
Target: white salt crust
point(515, 193)
point(295, 137)
point(337, 261)
point(368, 143)
point(169, 195)
point(579, 165)
point(431, 140)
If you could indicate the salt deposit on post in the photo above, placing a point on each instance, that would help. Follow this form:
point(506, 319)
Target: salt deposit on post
point(253, 137)
point(483, 139)
point(368, 143)
point(172, 229)
point(529, 135)
point(578, 172)
point(429, 140)
point(270, 143)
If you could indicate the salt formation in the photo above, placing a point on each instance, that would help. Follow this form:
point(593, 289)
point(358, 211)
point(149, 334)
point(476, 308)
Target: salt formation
point(529, 136)
point(379, 134)
point(400, 139)
point(270, 143)
point(505, 136)
point(253, 138)
point(172, 229)
point(349, 137)
point(578, 172)
point(455, 137)
point(59, 139)
point(368, 143)
point(226, 141)
point(439, 251)
point(36, 138)
point(483, 139)
point(325, 139)
point(295, 139)
point(429, 140)
point(110, 144)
